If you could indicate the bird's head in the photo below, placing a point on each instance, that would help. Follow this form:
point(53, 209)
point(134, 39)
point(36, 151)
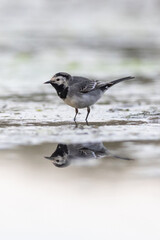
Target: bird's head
point(60, 157)
point(59, 79)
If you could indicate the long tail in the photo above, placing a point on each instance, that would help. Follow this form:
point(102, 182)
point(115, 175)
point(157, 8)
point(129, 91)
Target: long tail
point(110, 84)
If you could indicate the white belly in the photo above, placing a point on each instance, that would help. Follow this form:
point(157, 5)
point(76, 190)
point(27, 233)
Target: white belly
point(82, 101)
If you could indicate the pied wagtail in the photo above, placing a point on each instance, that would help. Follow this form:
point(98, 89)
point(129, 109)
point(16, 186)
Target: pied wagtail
point(65, 154)
point(79, 92)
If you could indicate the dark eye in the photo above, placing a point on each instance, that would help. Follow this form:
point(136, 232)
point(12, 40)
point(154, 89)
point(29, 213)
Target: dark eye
point(58, 79)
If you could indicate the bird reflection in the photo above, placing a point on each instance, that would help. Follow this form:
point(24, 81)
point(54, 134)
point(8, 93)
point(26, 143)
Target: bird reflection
point(66, 154)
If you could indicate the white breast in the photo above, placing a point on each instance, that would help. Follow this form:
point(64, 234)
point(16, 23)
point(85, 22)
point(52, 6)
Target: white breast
point(70, 102)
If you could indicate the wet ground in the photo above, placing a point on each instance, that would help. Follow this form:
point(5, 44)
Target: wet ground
point(128, 111)
point(62, 181)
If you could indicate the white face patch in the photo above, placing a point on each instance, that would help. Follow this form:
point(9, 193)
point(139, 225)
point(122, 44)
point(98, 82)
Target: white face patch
point(59, 80)
point(59, 160)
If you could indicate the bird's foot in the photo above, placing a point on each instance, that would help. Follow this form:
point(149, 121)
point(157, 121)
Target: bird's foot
point(87, 123)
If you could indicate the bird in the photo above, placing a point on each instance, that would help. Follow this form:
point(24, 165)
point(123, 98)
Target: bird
point(80, 92)
point(66, 154)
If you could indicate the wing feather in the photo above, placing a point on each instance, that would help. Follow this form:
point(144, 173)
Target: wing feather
point(88, 86)
point(85, 85)
point(92, 85)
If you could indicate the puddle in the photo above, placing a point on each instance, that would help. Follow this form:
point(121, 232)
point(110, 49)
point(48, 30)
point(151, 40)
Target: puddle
point(124, 155)
point(120, 177)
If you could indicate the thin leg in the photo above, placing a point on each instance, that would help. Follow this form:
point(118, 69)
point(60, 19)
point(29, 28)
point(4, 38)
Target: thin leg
point(76, 111)
point(88, 112)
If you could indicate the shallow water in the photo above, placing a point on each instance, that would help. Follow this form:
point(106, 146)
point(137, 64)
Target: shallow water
point(88, 197)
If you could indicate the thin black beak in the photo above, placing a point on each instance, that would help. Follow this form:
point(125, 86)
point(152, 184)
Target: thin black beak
point(47, 82)
point(48, 158)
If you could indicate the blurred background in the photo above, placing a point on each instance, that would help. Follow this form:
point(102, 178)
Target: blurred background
point(101, 198)
point(97, 38)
